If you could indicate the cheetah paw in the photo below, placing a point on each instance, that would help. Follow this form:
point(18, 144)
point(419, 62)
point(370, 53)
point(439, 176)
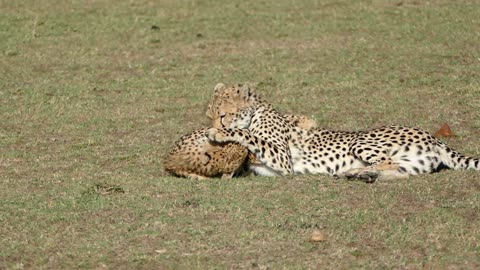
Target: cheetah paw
point(365, 176)
point(215, 135)
point(211, 134)
point(368, 176)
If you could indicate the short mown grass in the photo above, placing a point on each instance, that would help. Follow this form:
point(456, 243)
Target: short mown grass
point(93, 95)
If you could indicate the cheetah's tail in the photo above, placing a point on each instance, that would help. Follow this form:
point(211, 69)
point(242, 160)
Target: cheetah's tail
point(454, 160)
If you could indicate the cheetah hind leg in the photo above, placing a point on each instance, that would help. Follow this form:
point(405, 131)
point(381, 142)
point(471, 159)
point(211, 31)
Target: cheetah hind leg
point(373, 173)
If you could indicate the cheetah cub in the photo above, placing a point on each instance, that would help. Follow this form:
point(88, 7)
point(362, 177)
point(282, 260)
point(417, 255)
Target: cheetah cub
point(194, 156)
point(281, 148)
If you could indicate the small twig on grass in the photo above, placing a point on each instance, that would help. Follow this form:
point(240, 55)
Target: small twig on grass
point(35, 23)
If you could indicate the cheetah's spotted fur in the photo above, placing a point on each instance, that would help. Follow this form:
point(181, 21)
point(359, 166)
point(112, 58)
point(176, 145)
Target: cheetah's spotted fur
point(193, 156)
point(281, 148)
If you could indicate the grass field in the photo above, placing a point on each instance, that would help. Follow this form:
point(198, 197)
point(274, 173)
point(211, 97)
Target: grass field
point(94, 93)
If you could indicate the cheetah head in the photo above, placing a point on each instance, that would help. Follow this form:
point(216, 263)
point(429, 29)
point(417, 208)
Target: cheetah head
point(227, 104)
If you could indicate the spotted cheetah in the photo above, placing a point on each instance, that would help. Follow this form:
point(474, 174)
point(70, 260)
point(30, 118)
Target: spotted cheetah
point(193, 156)
point(382, 153)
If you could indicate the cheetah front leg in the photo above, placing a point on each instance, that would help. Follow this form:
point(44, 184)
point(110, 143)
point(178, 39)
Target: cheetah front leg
point(273, 156)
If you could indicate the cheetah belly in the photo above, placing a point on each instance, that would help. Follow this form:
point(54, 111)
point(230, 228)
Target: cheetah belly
point(262, 170)
point(324, 163)
point(335, 167)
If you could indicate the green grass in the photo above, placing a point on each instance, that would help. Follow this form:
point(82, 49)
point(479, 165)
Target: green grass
point(93, 94)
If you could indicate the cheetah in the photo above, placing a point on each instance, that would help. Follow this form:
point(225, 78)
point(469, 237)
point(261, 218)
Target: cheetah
point(389, 152)
point(193, 156)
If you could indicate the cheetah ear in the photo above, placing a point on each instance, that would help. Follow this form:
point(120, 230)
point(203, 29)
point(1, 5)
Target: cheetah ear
point(245, 91)
point(219, 87)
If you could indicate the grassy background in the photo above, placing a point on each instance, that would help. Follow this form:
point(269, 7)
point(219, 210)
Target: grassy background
point(94, 93)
